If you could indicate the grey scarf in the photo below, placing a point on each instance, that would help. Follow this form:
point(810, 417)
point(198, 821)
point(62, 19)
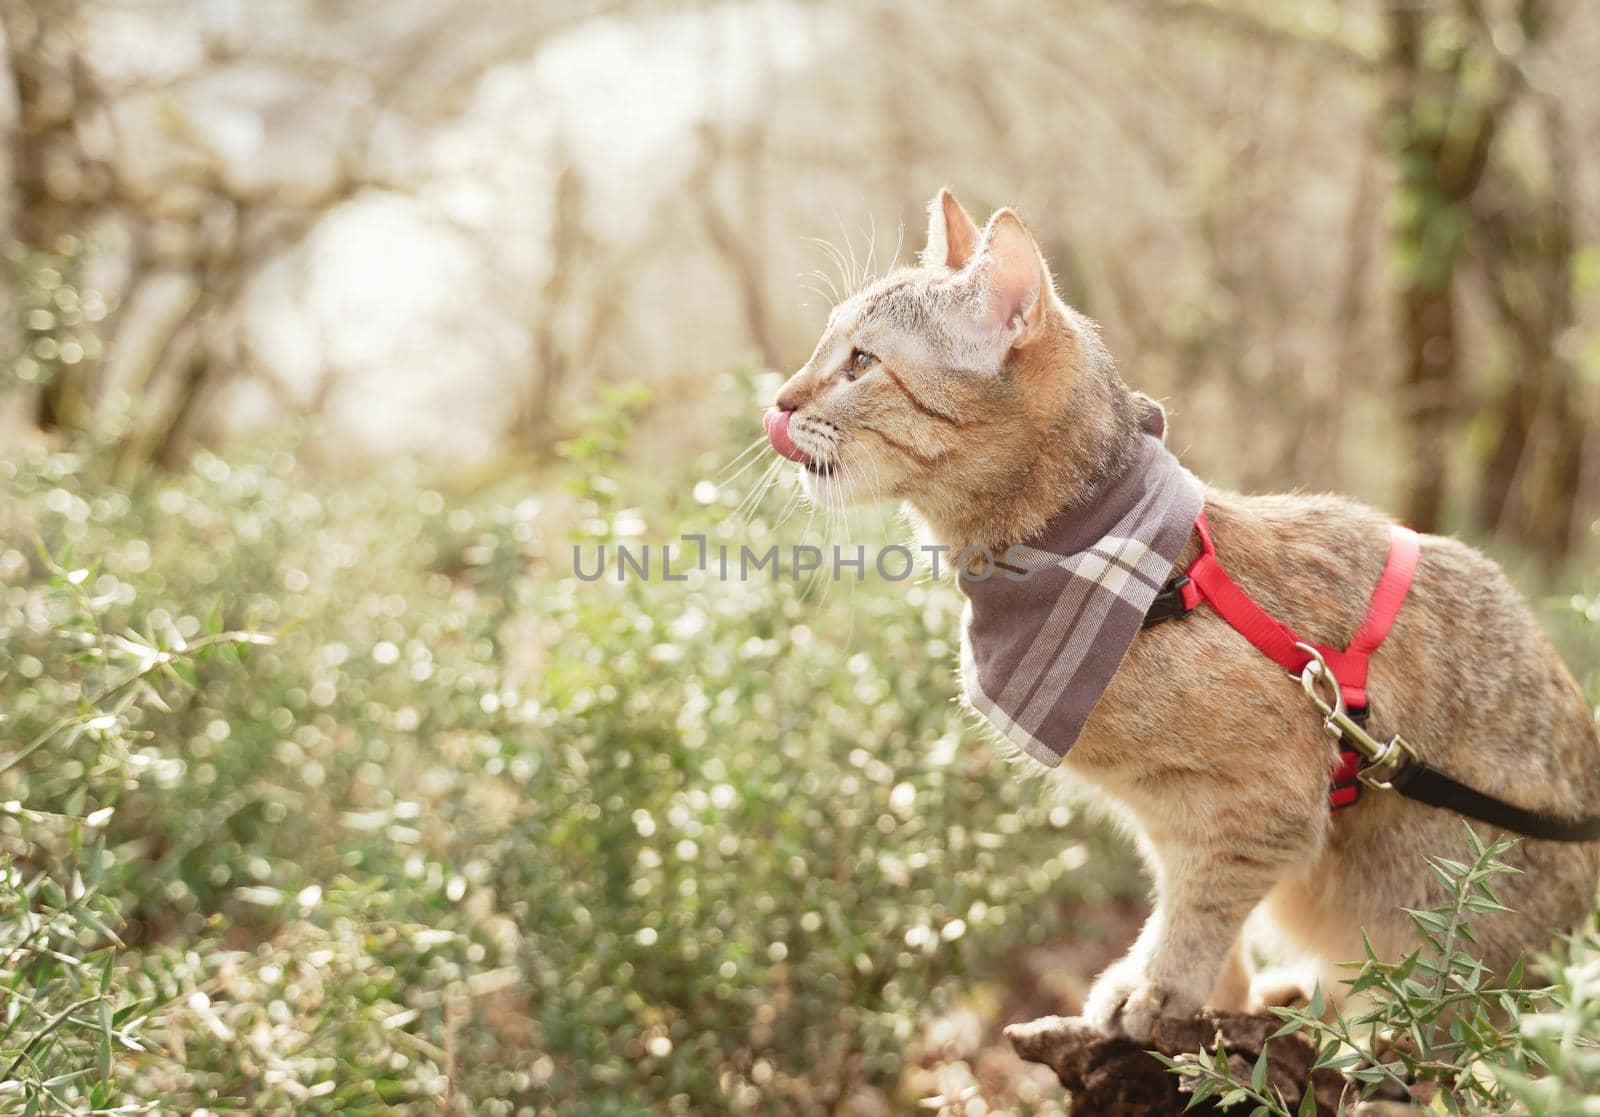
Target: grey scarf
point(1040, 646)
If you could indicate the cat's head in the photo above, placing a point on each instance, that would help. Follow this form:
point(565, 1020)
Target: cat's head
point(960, 385)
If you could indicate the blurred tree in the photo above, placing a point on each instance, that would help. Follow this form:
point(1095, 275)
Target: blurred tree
point(1525, 238)
point(1483, 201)
point(1342, 235)
point(1531, 486)
point(191, 225)
point(551, 353)
point(54, 181)
point(570, 319)
point(1448, 98)
point(737, 235)
point(1471, 200)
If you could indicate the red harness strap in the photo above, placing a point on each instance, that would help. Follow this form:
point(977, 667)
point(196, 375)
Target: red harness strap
point(1210, 583)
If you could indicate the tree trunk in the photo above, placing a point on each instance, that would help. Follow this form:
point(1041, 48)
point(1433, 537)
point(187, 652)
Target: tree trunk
point(1441, 127)
point(1428, 329)
point(739, 244)
point(1531, 483)
point(56, 182)
point(551, 354)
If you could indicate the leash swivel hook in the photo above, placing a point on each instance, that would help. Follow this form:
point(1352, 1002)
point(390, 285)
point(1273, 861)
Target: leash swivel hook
point(1383, 761)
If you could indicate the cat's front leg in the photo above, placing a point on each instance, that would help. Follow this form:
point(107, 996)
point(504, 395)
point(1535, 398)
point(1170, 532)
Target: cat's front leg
point(1124, 1001)
point(1167, 973)
point(1206, 886)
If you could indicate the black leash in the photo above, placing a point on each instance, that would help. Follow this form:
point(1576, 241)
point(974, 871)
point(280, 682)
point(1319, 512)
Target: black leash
point(1417, 780)
point(1395, 766)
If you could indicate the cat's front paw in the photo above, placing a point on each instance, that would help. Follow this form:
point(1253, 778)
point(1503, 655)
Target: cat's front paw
point(1124, 1002)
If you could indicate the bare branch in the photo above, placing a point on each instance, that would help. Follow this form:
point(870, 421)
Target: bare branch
point(1235, 21)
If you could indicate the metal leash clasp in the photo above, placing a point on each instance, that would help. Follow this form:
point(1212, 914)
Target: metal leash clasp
point(1383, 761)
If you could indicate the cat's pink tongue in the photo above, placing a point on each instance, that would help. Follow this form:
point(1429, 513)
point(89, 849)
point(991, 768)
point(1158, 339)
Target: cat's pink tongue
point(776, 424)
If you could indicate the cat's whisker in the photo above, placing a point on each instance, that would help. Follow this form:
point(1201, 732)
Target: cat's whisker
point(871, 233)
point(765, 475)
point(805, 538)
point(868, 492)
point(836, 509)
point(851, 626)
point(863, 538)
point(748, 448)
point(840, 529)
point(796, 498)
point(857, 507)
point(849, 510)
point(758, 492)
point(811, 515)
point(824, 277)
point(837, 258)
point(772, 479)
point(844, 257)
point(853, 276)
point(728, 481)
point(830, 503)
point(749, 452)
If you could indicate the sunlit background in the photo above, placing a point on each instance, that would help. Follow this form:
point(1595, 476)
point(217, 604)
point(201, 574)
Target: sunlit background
point(332, 326)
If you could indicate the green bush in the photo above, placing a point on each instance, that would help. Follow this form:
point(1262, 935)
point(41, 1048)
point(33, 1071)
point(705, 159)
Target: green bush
point(473, 834)
point(55, 312)
point(1438, 1026)
point(469, 831)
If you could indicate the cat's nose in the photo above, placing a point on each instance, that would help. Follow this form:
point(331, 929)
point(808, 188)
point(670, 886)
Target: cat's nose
point(795, 392)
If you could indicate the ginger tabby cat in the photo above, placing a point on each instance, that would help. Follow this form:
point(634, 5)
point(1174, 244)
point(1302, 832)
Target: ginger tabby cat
point(965, 387)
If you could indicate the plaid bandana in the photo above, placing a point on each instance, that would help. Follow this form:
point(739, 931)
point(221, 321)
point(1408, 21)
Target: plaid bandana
point(1039, 649)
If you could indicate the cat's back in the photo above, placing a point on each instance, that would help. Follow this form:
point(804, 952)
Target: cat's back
point(1466, 673)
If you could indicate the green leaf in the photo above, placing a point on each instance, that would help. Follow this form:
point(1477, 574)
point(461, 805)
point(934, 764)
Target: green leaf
point(1293, 1025)
point(1326, 1055)
point(1201, 1093)
point(1431, 921)
point(1514, 978)
point(1258, 1076)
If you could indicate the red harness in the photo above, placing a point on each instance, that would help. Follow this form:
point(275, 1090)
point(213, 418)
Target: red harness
point(1208, 582)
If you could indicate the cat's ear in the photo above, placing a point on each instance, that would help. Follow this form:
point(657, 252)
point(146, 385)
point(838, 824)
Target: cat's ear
point(952, 235)
point(1012, 279)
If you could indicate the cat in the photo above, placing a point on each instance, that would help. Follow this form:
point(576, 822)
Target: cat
point(964, 386)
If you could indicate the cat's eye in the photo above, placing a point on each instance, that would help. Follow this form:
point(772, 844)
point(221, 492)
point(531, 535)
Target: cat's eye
point(860, 361)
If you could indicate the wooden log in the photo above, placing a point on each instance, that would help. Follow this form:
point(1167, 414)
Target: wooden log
point(1113, 1077)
